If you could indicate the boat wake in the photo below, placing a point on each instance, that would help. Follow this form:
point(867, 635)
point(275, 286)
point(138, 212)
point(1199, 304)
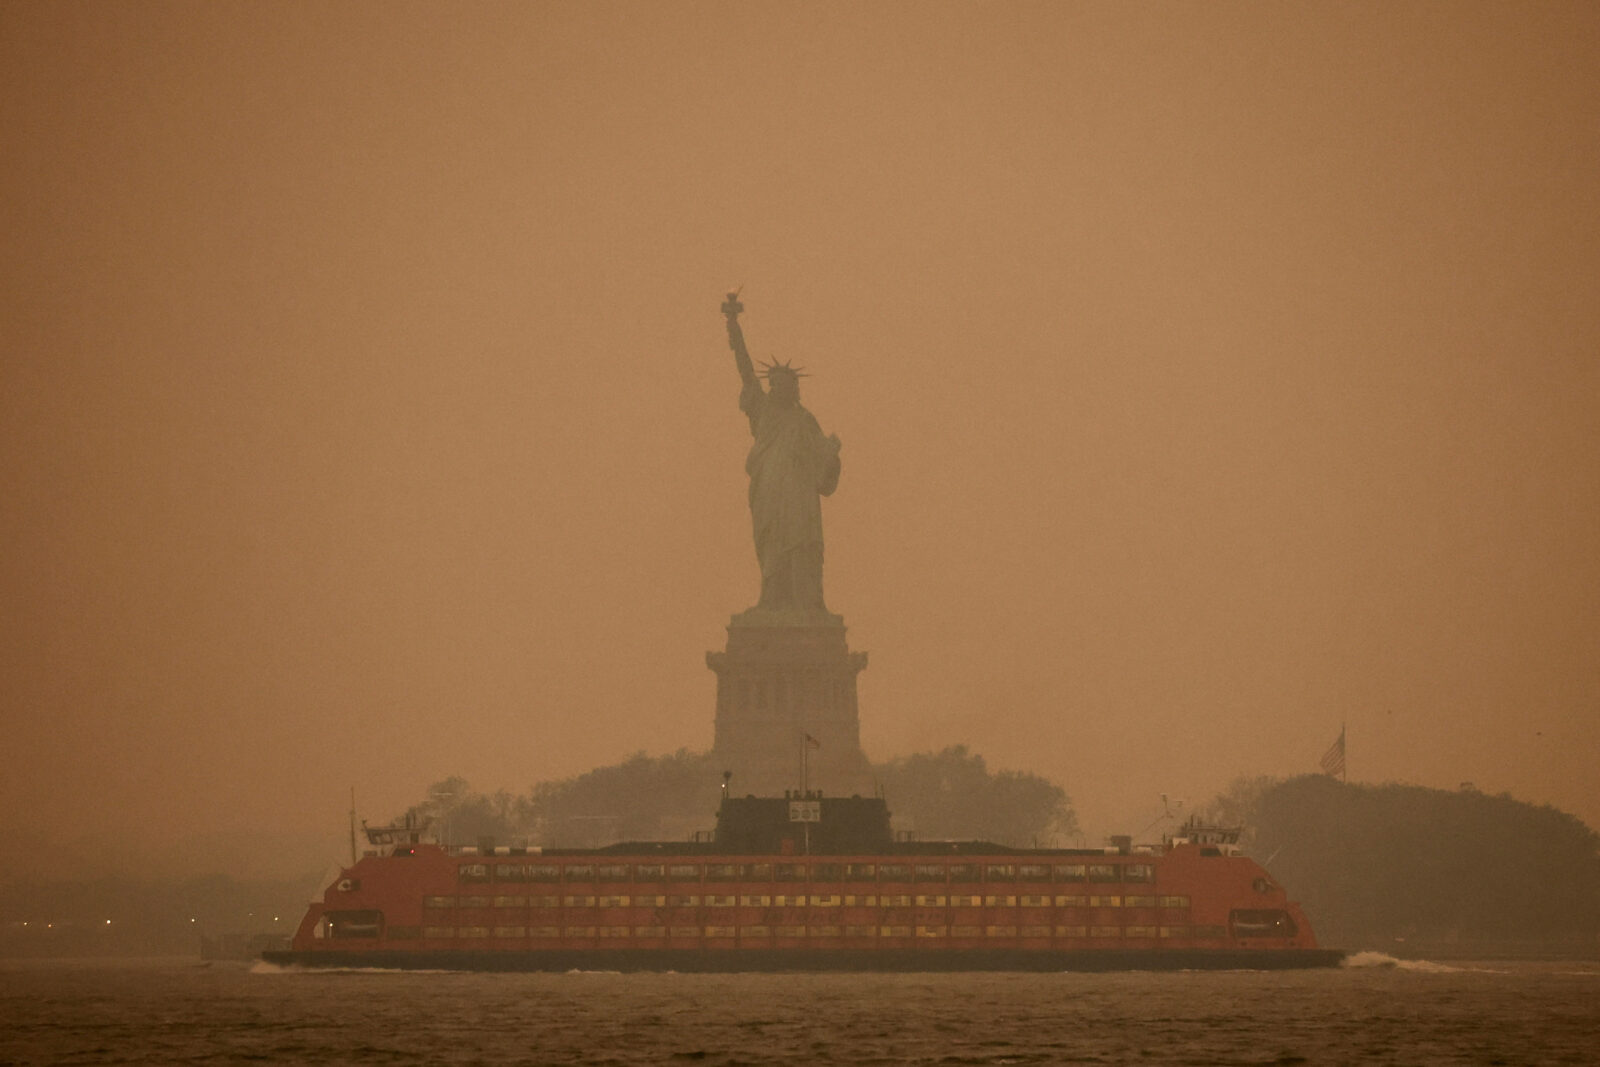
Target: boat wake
point(1371, 959)
point(263, 967)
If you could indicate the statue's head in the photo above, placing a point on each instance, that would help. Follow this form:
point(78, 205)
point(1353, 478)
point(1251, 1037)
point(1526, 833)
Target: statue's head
point(783, 382)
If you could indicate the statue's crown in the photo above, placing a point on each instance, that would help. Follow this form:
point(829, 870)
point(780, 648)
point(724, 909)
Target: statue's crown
point(769, 369)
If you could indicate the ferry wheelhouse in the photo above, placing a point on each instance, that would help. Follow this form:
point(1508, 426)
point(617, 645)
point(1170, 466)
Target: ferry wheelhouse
point(805, 882)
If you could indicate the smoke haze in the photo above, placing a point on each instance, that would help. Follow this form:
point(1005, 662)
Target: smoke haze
point(1208, 376)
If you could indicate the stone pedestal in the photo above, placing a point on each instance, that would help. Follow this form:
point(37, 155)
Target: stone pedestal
point(783, 676)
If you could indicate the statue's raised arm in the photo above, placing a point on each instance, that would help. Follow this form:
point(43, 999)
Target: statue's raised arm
point(741, 355)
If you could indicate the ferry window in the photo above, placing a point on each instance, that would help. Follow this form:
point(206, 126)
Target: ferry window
point(472, 931)
point(964, 872)
point(614, 873)
point(1261, 923)
point(348, 924)
point(791, 931)
point(1000, 872)
point(438, 902)
point(1072, 931)
point(930, 872)
point(1139, 902)
point(754, 931)
point(1174, 902)
point(650, 872)
point(510, 931)
point(542, 872)
point(1035, 931)
point(1000, 931)
point(437, 932)
point(1141, 931)
point(1209, 932)
point(1033, 872)
point(684, 872)
point(722, 872)
point(474, 872)
point(823, 931)
point(580, 873)
point(894, 872)
point(1102, 872)
point(509, 872)
point(684, 931)
point(827, 872)
point(475, 902)
point(1105, 931)
point(511, 902)
point(789, 872)
point(1070, 872)
point(1174, 931)
point(858, 931)
point(1138, 872)
point(544, 931)
point(860, 872)
point(1072, 902)
point(683, 902)
point(1105, 902)
point(649, 931)
point(756, 872)
point(966, 931)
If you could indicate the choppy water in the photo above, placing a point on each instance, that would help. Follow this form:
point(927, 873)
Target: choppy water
point(1378, 1011)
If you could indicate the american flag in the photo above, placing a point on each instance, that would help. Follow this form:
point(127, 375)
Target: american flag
point(1333, 759)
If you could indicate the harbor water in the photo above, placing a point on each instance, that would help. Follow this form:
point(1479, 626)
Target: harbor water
point(1373, 1010)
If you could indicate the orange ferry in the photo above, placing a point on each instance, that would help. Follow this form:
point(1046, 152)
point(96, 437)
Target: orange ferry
point(805, 883)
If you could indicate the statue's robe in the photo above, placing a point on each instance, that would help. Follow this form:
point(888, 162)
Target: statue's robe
point(791, 467)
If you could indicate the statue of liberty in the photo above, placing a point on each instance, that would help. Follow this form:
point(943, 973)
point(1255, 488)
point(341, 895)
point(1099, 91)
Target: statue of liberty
point(791, 466)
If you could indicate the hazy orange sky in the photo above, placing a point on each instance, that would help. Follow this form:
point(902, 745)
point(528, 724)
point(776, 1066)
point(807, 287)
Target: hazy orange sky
point(1208, 375)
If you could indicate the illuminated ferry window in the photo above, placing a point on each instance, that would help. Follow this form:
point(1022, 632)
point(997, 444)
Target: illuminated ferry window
point(1141, 931)
point(1070, 872)
point(894, 872)
point(719, 931)
point(650, 872)
point(1035, 931)
point(649, 931)
point(722, 872)
point(1105, 931)
point(438, 902)
point(511, 902)
point(613, 902)
point(966, 931)
point(965, 872)
point(616, 872)
point(756, 872)
point(755, 901)
point(827, 872)
point(1033, 872)
point(823, 931)
point(932, 931)
point(1072, 902)
point(1174, 902)
point(860, 872)
point(1072, 931)
point(1175, 931)
point(650, 902)
point(472, 931)
point(510, 931)
point(789, 872)
point(789, 901)
point(894, 931)
point(1261, 923)
point(1035, 902)
point(965, 901)
point(683, 902)
point(544, 931)
point(542, 872)
point(999, 902)
point(683, 931)
point(929, 872)
point(509, 872)
point(721, 902)
point(1000, 872)
point(574, 931)
point(824, 901)
point(755, 931)
point(544, 902)
point(930, 902)
point(475, 902)
point(614, 931)
point(1105, 902)
point(895, 901)
point(790, 931)
point(1138, 902)
point(579, 902)
point(354, 924)
point(1103, 872)
point(473, 872)
point(1138, 872)
point(684, 872)
point(999, 931)
point(580, 872)
point(438, 932)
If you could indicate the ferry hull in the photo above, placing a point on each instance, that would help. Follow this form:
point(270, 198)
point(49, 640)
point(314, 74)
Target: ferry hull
point(818, 960)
